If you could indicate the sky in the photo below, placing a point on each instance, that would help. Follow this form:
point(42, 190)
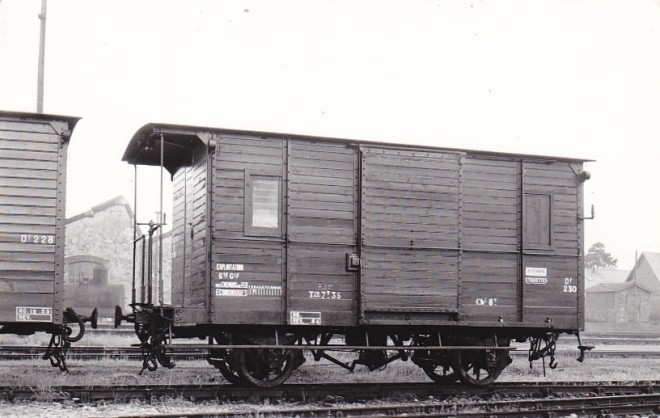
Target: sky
point(572, 78)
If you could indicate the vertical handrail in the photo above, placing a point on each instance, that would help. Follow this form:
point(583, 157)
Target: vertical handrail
point(150, 268)
point(161, 221)
point(142, 287)
point(135, 192)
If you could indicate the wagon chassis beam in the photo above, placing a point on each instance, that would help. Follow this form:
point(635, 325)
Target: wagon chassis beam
point(332, 347)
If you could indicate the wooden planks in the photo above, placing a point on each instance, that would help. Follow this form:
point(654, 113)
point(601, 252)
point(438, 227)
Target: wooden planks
point(321, 203)
point(417, 207)
point(491, 205)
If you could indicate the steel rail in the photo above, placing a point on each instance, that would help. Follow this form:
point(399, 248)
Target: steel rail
point(196, 351)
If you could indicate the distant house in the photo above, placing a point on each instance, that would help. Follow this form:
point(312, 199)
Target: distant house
point(647, 271)
point(624, 295)
point(618, 302)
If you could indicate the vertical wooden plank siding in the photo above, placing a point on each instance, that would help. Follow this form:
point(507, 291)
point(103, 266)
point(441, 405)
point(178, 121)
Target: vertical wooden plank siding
point(189, 232)
point(409, 227)
point(321, 231)
point(247, 283)
point(179, 236)
point(32, 198)
point(198, 260)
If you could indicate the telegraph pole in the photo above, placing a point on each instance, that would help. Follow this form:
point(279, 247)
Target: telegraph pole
point(42, 57)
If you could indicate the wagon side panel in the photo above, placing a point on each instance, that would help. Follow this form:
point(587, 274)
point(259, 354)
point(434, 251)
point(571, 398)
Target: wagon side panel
point(248, 251)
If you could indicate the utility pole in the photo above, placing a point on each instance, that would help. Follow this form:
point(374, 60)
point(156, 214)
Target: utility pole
point(42, 57)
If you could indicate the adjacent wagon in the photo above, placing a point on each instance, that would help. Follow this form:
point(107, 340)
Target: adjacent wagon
point(33, 156)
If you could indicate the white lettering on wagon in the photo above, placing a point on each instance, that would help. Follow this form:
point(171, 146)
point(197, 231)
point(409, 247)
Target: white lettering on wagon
point(536, 280)
point(324, 294)
point(226, 275)
point(536, 275)
point(486, 301)
point(305, 318)
point(34, 314)
point(37, 239)
point(569, 287)
point(244, 289)
point(536, 271)
point(229, 267)
point(229, 271)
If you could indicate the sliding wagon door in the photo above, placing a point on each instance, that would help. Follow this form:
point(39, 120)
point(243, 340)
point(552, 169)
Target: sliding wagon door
point(410, 234)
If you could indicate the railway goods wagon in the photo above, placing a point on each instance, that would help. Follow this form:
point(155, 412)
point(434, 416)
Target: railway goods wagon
point(286, 242)
point(33, 156)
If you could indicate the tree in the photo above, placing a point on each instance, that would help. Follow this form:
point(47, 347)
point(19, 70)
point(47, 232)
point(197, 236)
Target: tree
point(598, 258)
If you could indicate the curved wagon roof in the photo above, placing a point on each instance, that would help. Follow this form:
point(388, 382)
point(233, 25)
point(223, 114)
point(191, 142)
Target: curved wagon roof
point(144, 146)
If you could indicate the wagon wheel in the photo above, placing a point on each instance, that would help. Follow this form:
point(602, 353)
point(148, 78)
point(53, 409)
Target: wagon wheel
point(229, 373)
point(223, 360)
point(480, 367)
point(265, 367)
point(227, 370)
point(443, 375)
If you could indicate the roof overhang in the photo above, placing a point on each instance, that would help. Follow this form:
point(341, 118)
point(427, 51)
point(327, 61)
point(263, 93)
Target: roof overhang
point(64, 132)
point(177, 144)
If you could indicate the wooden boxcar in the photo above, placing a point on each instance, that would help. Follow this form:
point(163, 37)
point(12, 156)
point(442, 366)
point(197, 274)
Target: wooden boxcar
point(303, 234)
point(33, 156)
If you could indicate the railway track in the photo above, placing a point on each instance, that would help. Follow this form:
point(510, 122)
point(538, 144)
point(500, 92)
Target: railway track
point(417, 399)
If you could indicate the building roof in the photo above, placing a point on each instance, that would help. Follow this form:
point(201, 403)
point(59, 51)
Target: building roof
point(595, 277)
point(116, 201)
point(653, 260)
point(616, 287)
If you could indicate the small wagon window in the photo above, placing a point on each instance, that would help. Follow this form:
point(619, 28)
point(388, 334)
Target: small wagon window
point(537, 215)
point(262, 208)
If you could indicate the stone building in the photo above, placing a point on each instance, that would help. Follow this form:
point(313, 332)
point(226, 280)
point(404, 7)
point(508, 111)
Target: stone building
point(106, 231)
